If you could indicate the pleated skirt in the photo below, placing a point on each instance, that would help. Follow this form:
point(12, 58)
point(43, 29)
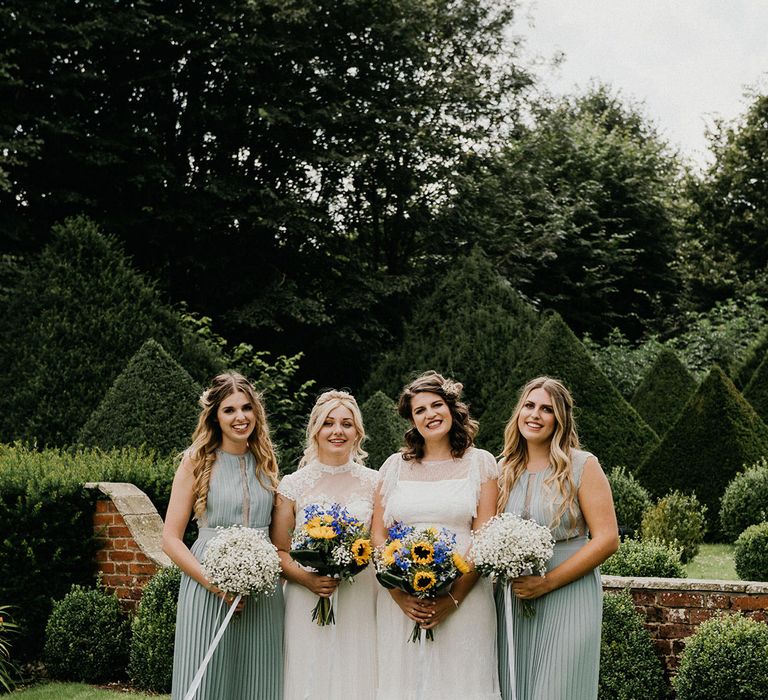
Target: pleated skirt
point(556, 653)
point(248, 662)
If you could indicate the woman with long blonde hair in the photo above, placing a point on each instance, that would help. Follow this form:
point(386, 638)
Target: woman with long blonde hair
point(227, 477)
point(545, 476)
point(336, 660)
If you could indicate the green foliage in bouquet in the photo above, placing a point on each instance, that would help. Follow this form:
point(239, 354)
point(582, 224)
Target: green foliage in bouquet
point(87, 637)
point(651, 557)
point(153, 403)
point(43, 501)
point(727, 657)
point(716, 433)
point(473, 327)
point(751, 553)
point(608, 425)
point(151, 656)
point(630, 499)
point(664, 391)
point(756, 392)
point(76, 315)
point(629, 667)
point(679, 520)
point(745, 501)
point(384, 428)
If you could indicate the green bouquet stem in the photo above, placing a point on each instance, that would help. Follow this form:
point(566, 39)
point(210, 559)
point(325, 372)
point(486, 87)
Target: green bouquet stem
point(416, 634)
point(323, 613)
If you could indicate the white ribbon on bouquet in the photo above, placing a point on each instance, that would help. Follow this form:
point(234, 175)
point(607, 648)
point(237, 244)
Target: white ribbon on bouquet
point(510, 640)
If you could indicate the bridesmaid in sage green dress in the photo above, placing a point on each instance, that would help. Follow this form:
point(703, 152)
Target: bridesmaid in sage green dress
point(227, 477)
point(554, 655)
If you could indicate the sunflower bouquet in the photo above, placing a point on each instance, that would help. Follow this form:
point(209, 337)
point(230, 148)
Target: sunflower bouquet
point(333, 543)
point(423, 563)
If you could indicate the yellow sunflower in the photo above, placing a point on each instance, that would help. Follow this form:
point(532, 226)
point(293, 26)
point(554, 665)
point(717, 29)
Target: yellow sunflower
point(312, 522)
point(423, 581)
point(460, 563)
point(321, 532)
point(388, 555)
point(433, 531)
point(422, 552)
point(361, 551)
point(326, 519)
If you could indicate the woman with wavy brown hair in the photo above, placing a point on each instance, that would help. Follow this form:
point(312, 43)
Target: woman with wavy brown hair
point(438, 479)
point(227, 477)
point(546, 477)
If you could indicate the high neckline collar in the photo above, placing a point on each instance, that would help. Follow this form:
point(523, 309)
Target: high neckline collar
point(330, 468)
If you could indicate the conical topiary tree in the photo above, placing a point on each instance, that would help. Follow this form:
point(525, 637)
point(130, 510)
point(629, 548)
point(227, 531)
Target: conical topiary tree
point(472, 327)
point(71, 322)
point(607, 424)
point(752, 359)
point(663, 392)
point(714, 436)
point(756, 391)
point(384, 428)
point(153, 402)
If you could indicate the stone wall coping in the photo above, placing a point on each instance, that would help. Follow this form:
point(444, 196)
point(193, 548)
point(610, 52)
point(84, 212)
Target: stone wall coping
point(685, 584)
point(140, 516)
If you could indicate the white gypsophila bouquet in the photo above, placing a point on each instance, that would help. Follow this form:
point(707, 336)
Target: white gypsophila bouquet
point(508, 546)
point(242, 561)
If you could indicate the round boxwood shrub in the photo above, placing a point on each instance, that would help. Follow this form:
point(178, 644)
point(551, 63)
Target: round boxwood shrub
point(678, 519)
point(151, 662)
point(630, 499)
point(87, 637)
point(751, 553)
point(727, 657)
point(629, 667)
point(644, 558)
point(745, 501)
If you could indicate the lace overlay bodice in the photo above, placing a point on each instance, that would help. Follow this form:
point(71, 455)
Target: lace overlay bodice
point(351, 485)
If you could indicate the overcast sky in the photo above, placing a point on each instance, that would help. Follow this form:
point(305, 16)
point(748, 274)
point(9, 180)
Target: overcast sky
point(686, 60)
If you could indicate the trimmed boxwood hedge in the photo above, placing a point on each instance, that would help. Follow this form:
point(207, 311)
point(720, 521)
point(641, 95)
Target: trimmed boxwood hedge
point(756, 392)
point(153, 402)
point(607, 424)
point(715, 435)
point(745, 501)
point(630, 499)
point(47, 517)
point(754, 356)
point(384, 428)
point(751, 553)
point(664, 391)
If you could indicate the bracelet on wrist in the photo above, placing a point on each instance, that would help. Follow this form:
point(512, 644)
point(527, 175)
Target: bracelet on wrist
point(455, 602)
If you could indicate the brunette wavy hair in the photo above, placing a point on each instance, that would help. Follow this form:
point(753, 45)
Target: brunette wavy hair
point(463, 429)
point(206, 438)
point(565, 440)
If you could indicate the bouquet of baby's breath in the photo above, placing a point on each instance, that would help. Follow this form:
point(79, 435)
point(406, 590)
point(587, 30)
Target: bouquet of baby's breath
point(332, 542)
point(508, 546)
point(423, 563)
point(242, 561)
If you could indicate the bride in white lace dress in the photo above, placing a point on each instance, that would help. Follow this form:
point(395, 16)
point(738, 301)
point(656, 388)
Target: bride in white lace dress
point(438, 479)
point(337, 660)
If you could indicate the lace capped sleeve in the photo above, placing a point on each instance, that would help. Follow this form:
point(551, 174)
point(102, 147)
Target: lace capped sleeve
point(291, 487)
point(482, 468)
point(389, 474)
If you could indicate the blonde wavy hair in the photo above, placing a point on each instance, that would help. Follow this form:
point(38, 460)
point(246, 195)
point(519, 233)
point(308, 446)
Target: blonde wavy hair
point(514, 455)
point(327, 402)
point(206, 438)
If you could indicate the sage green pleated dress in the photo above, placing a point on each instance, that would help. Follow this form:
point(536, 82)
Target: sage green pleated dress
point(556, 653)
point(248, 663)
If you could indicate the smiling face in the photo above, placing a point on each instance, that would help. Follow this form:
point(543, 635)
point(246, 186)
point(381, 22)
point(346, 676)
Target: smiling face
point(237, 421)
point(536, 420)
point(336, 437)
point(431, 416)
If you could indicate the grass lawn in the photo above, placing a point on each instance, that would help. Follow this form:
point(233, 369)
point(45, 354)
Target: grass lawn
point(714, 561)
point(79, 691)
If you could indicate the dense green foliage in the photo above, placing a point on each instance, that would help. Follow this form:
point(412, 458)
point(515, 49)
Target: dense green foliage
point(727, 657)
point(607, 424)
point(629, 667)
point(664, 391)
point(745, 501)
point(153, 629)
point(756, 391)
point(79, 312)
point(472, 327)
point(630, 498)
point(153, 402)
point(751, 553)
point(42, 501)
point(651, 557)
point(383, 427)
point(752, 358)
point(87, 637)
point(679, 520)
point(716, 433)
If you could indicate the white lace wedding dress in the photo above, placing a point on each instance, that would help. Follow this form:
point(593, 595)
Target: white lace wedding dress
point(339, 660)
point(460, 663)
